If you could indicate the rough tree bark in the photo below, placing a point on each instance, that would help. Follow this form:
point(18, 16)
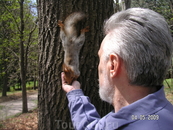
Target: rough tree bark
point(52, 103)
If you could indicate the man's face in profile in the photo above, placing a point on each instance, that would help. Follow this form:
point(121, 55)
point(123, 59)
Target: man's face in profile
point(106, 90)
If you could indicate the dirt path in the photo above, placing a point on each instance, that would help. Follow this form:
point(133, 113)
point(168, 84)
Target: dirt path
point(13, 107)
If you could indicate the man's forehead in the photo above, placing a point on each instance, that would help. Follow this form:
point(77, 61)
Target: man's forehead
point(106, 39)
point(101, 49)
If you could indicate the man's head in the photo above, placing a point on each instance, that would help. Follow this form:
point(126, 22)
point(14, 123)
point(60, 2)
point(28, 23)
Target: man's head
point(142, 40)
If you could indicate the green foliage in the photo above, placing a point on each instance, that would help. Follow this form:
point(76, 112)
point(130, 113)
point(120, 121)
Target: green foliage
point(168, 83)
point(10, 38)
point(163, 7)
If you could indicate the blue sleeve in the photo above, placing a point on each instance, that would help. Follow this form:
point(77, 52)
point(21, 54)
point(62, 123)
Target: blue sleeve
point(83, 114)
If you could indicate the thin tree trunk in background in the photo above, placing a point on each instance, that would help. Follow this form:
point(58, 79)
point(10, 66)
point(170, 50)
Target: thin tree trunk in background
point(5, 77)
point(22, 60)
point(120, 5)
point(171, 5)
point(35, 81)
point(127, 4)
point(5, 82)
point(52, 103)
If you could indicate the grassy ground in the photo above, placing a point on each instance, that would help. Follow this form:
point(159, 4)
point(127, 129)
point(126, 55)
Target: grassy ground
point(15, 95)
point(29, 86)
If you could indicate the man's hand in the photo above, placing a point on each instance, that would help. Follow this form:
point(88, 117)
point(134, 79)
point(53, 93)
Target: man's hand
point(67, 88)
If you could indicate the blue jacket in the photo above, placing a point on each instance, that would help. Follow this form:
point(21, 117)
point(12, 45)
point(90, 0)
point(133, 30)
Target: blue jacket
point(153, 112)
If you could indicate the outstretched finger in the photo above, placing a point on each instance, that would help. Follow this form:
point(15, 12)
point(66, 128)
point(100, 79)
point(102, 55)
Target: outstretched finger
point(63, 78)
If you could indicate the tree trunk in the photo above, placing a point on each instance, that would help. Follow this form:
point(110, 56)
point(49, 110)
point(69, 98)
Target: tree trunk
point(171, 5)
point(52, 103)
point(35, 80)
point(5, 82)
point(5, 77)
point(22, 60)
point(120, 5)
point(127, 4)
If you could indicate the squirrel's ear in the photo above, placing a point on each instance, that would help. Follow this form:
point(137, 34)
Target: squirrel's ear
point(60, 24)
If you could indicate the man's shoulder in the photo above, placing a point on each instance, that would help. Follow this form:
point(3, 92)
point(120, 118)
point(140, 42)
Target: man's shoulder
point(158, 119)
point(161, 120)
point(165, 120)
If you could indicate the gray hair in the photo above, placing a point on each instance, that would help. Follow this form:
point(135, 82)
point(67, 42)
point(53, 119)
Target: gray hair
point(141, 37)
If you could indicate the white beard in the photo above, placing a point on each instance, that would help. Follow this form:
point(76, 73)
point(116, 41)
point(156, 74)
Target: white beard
point(106, 91)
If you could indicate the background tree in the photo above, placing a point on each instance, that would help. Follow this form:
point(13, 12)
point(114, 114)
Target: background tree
point(120, 5)
point(53, 111)
point(17, 36)
point(5, 57)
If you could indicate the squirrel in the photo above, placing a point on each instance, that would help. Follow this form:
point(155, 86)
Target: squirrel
point(73, 37)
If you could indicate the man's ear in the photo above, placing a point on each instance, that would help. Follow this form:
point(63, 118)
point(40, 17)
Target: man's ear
point(114, 64)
